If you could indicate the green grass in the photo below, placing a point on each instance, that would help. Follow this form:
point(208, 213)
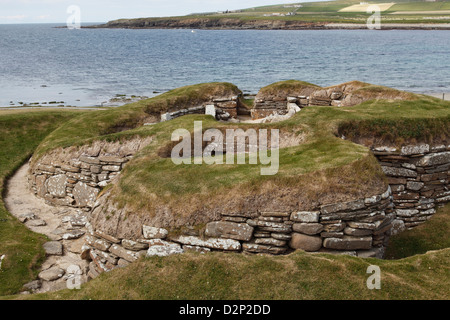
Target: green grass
point(299, 276)
point(20, 133)
point(420, 6)
point(283, 87)
point(395, 132)
point(335, 6)
point(432, 235)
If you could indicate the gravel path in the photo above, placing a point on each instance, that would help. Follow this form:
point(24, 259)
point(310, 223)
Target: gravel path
point(65, 228)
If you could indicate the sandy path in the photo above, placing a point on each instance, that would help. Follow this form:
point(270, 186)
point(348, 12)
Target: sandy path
point(58, 222)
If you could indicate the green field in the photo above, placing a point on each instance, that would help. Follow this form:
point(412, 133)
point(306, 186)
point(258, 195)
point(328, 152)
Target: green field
point(335, 6)
point(328, 11)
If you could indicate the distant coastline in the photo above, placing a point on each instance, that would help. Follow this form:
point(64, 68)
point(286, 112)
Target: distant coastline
point(256, 24)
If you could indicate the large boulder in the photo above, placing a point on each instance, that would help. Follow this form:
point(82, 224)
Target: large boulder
point(305, 242)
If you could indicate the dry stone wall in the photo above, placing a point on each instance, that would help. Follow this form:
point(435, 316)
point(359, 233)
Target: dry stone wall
point(222, 108)
point(419, 177)
point(265, 107)
point(360, 228)
point(345, 95)
point(74, 176)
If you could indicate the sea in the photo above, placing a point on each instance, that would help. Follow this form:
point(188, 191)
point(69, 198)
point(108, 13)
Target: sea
point(46, 65)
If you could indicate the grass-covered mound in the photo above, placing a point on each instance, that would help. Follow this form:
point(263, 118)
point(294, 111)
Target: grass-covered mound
point(287, 88)
point(21, 131)
point(322, 169)
point(123, 119)
point(348, 94)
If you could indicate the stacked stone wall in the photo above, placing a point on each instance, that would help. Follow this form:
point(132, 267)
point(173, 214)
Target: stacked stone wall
point(75, 176)
point(221, 108)
point(360, 228)
point(419, 178)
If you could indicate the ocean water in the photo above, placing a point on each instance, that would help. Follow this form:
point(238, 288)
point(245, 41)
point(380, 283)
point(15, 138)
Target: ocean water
point(40, 63)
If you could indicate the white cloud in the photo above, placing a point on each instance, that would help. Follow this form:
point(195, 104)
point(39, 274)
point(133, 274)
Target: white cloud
point(13, 18)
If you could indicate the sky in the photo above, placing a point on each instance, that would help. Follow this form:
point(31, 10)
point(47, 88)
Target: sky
point(56, 11)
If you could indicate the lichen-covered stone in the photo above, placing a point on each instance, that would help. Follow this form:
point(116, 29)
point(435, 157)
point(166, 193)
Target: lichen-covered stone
point(305, 216)
point(84, 195)
point(434, 159)
point(399, 172)
point(133, 245)
point(54, 273)
point(56, 186)
point(123, 253)
point(415, 149)
point(268, 226)
point(407, 212)
point(415, 186)
point(343, 206)
point(229, 230)
point(212, 243)
point(357, 232)
point(154, 233)
point(163, 248)
point(361, 225)
point(107, 237)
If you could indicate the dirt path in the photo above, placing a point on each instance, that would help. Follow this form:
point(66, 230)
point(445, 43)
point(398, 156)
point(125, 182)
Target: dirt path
point(65, 227)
